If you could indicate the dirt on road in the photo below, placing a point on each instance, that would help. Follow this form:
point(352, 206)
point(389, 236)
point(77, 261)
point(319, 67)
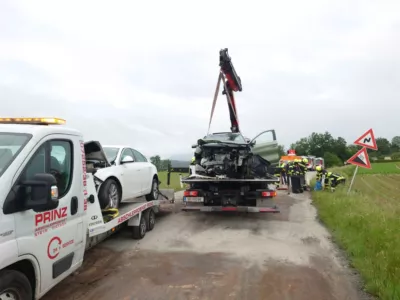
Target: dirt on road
point(219, 256)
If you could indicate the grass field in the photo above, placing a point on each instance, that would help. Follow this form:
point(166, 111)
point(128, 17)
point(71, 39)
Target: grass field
point(382, 168)
point(174, 184)
point(366, 224)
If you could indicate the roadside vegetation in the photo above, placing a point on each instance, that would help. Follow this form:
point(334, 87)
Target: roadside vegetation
point(336, 151)
point(174, 182)
point(366, 224)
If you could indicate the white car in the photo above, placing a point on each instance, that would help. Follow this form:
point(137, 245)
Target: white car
point(121, 174)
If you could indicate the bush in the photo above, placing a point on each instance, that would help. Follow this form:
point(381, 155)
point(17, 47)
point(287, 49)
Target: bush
point(395, 156)
point(332, 160)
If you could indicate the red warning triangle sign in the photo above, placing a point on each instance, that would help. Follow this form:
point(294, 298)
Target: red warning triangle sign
point(360, 159)
point(367, 140)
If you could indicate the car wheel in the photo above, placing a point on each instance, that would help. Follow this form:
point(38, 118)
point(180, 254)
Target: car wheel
point(153, 195)
point(152, 220)
point(110, 194)
point(140, 231)
point(14, 285)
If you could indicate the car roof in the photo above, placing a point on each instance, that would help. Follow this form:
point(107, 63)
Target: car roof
point(116, 146)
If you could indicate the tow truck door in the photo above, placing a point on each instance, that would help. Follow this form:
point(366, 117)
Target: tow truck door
point(55, 237)
point(266, 146)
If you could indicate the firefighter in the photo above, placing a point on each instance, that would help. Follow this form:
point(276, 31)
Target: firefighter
point(331, 179)
point(277, 173)
point(335, 179)
point(295, 172)
point(289, 168)
point(283, 173)
point(320, 172)
point(303, 167)
point(193, 162)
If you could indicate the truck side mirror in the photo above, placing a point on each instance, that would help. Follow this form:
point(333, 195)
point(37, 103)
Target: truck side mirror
point(41, 193)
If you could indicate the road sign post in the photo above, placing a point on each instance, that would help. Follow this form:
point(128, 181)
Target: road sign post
point(361, 159)
point(352, 180)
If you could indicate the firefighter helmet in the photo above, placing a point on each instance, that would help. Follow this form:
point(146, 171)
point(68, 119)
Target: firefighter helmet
point(318, 168)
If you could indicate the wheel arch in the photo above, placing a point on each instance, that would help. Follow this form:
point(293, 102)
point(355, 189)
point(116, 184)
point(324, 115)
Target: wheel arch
point(30, 268)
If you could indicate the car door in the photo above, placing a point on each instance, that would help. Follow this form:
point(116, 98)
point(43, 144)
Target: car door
point(266, 146)
point(145, 169)
point(56, 236)
point(131, 176)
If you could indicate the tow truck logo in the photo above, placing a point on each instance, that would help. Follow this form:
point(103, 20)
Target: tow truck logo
point(55, 245)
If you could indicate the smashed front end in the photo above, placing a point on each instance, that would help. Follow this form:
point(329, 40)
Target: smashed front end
point(227, 159)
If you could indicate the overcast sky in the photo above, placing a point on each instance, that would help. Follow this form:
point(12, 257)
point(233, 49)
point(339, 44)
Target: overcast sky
point(143, 73)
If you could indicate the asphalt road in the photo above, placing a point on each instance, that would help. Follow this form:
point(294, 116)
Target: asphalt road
point(191, 255)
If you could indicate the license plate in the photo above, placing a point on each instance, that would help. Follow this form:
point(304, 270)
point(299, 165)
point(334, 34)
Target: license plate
point(194, 199)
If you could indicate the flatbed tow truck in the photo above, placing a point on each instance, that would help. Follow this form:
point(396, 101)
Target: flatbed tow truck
point(47, 224)
point(210, 194)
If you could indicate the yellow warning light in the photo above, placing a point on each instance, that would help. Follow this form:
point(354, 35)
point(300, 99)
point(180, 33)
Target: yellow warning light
point(33, 121)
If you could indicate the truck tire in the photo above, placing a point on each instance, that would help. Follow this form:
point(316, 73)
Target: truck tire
point(140, 231)
point(151, 220)
point(154, 191)
point(109, 194)
point(14, 285)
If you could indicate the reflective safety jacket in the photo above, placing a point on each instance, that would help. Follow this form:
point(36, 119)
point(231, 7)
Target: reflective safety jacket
point(320, 174)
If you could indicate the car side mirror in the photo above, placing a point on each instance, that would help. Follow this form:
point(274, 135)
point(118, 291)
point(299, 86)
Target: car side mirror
point(41, 193)
point(252, 143)
point(127, 159)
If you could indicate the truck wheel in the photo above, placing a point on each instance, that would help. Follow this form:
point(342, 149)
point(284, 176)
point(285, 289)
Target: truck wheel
point(14, 285)
point(154, 191)
point(109, 194)
point(140, 231)
point(152, 220)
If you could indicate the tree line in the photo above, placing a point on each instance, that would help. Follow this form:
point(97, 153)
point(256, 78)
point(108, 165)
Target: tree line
point(161, 164)
point(336, 151)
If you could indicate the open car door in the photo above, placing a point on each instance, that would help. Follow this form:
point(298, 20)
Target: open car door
point(266, 145)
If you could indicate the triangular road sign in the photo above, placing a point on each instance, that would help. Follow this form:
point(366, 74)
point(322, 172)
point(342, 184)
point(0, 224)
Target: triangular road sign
point(367, 140)
point(360, 159)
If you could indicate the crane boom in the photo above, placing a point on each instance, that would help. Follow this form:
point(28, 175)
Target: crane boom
point(232, 83)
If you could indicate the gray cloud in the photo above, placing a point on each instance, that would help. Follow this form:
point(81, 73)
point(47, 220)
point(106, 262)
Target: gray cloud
point(131, 74)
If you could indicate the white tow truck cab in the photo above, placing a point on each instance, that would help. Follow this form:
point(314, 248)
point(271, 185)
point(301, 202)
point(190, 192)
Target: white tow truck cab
point(49, 209)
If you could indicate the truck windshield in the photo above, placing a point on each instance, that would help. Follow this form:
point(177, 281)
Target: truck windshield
point(111, 153)
point(10, 146)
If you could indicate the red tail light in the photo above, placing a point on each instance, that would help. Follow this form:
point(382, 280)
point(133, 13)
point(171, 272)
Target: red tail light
point(190, 193)
point(268, 194)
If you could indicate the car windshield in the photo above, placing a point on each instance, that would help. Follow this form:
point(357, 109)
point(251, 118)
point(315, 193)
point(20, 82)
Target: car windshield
point(111, 153)
point(226, 137)
point(10, 146)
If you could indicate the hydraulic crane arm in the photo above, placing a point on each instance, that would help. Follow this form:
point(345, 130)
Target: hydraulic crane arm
point(232, 83)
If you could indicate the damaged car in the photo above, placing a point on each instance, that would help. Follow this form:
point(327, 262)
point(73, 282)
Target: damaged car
point(230, 155)
point(121, 174)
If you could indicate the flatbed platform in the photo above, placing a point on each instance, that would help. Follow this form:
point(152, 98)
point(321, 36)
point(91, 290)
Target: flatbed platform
point(256, 180)
point(247, 209)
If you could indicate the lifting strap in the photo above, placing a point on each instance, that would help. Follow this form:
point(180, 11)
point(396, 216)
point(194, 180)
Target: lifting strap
point(220, 78)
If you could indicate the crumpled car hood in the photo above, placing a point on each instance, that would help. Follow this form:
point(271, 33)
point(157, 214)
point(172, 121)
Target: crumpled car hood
point(94, 151)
